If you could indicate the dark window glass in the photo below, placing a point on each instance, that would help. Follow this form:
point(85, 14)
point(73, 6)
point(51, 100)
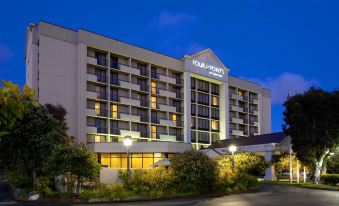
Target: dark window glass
point(203, 111)
point(192, 109)
point(203, 124)
point(193, 96)
point(203, 98)
point(203, 86)
point(192, 83)
point(215, 89)
point(214, 113)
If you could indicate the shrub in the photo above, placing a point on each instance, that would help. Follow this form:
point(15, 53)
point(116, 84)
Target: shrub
point(41, 185)
point(148, 182)
point(330, 179)
point(18, 179)
point(193, 171)
point(106, 192)
point(244, 164)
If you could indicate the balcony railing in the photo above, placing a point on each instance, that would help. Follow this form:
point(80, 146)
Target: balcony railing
point(101, 129)
point(100, 61)
point(102, 95)
point(115, 131)
point(101, 112)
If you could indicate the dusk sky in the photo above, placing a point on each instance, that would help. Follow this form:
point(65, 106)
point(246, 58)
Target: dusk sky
point(284, 45)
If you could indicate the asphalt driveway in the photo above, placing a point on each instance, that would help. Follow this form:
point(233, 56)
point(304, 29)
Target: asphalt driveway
point(269, 195)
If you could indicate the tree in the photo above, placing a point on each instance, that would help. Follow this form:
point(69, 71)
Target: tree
point(193, 171)
point(75, 159)
point(58, 111)
point(13, 104)
point(32, 140)
point(312, 121)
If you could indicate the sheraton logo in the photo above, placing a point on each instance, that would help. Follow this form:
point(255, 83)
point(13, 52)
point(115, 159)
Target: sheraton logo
point(215, 71)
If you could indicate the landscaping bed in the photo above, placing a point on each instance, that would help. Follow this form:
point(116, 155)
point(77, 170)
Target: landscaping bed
point(309, 185)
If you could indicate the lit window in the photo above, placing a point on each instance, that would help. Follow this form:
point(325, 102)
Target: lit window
point(154, 87)
point(105, 160)
point(154, 102)
point(154, 132)
point(215, 125)
point(114, 111)
point(97, 108)
point(215, 101)
point(174, 117)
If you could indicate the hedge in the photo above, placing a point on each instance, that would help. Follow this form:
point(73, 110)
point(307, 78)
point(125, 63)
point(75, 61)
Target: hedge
point(330, 179)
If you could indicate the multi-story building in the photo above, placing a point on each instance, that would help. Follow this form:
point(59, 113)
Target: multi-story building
point(113, 89)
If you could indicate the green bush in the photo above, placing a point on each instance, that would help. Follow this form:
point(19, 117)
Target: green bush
point(18, 179)
point(42, 186)
point(245, 164)
point(106, 192)
point(330, 179)
point(148, 182)
point(194, 172)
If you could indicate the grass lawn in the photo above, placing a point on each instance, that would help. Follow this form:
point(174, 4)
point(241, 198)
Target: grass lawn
point(307, 185)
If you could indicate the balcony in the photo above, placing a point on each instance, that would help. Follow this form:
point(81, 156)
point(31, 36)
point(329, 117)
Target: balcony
point(233, 107)
point(129, 117)
point(133, 102)
point(254, 112)
point(166, 122)
point(167, 79)
point(97, 61)
point(129, 69)
point(254, 100)
point(233, 95)
point(129, 85)
point(166, 93)
point(237, 120)
point(237, 132)
point(91, 129)
point(254, 123)
point(166, 137)
point(133, 134)
point(91, 95)
point(167, 108)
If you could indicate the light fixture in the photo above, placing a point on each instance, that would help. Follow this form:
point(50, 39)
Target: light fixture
point(232, 148)
point(128, 141)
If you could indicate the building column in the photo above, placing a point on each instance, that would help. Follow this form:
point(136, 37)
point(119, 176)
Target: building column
point(187, 107)
point(270, 171)
point(223, 112)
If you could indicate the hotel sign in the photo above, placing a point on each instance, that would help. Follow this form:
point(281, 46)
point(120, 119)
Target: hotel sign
point(212, 70)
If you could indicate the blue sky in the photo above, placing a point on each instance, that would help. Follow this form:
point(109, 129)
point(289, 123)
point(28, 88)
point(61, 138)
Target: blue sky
point(285, 45)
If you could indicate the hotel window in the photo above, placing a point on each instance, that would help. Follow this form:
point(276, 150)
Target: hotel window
point(214, 125)
point(214, 89)
point(154, 132)
point(214, 113)
point(143, 84)
point(96, 138)
point(101, 75)
point(154, 87)
point(203, 124)
point(105, 160)
point(114, 78)
point(114, 62)
point(154, 102)
point(203, 86)
point(114, 111)
point(143, 69)
point(192, 83)
point(114, 127)
point(101, 125)
point(215, 101)
point(193, 96)
point(203, 111)
point(203, 137)
point(203, 98)
point(193, 109)
point(174, 117)
point(192, 123)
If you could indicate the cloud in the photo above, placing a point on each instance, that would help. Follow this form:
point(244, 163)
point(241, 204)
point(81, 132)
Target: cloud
point(5, 53)
point(169, 20)
point(285, 83)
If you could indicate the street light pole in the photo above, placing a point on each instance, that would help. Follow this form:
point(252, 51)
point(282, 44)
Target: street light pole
point(232, 149)
point(128, 143)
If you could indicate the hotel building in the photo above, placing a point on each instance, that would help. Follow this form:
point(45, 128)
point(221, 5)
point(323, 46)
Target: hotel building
point(112, 89)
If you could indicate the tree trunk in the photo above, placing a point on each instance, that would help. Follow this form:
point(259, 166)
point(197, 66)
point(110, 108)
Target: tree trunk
point(318, 167)
point(78, 185)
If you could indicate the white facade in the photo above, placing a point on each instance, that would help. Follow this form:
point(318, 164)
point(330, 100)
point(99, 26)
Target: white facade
point(65, 67)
